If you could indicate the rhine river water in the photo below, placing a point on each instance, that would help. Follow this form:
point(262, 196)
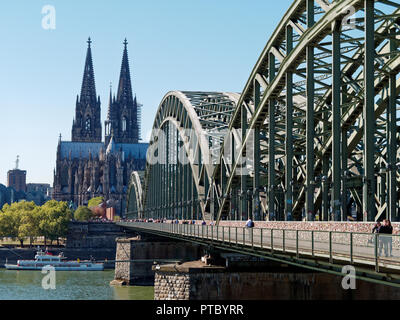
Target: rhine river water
point(70, 285)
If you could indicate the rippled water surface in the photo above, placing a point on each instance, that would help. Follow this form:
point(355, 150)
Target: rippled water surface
point(70, 285)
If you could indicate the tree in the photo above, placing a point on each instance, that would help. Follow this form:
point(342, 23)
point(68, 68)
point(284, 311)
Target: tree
point(17, 221)
point(54, 220)
point(24, 219)
point(8, 223)
point(29, 224)
point(83, 214)
point(94, 202)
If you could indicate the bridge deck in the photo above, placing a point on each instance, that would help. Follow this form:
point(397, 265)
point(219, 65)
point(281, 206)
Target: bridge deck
point(321, 250)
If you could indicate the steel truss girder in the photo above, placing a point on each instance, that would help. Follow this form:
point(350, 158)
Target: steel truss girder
point(261, 89)
point(329, 117)
point(195, 122)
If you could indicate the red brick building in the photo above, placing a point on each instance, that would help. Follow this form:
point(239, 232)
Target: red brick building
point(17, 179)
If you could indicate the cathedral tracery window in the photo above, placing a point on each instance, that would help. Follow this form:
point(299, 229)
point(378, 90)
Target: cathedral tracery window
point(88, 124)
point(124, 124)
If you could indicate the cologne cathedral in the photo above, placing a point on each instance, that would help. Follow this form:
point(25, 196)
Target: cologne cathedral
point(87, 167)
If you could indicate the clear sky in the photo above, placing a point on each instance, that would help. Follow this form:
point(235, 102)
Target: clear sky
point(173, 45)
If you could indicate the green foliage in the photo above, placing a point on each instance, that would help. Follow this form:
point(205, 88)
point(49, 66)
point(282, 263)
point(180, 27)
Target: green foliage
point(83, 214)
point(29, 224)
point(55, 219)
point(26, 220)
point(94, 202)
point(16, 219)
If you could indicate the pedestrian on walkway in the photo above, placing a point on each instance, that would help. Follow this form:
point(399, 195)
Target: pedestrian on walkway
point(249, 223)
point(375, 229)
point(385, 234)
point(390, 240)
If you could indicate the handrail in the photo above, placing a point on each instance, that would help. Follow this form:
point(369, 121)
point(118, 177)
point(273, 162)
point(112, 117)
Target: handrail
point(286, 229)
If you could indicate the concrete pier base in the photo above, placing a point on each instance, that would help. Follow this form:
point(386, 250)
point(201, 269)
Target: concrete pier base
point(196, 281)
point(128, 250)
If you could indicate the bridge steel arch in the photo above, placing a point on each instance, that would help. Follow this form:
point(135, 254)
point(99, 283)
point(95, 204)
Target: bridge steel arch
point(135, 196)
point(187, 133)
point(322, 107)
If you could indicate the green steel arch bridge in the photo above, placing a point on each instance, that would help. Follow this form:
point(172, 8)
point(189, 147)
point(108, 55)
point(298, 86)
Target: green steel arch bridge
point(313, 136)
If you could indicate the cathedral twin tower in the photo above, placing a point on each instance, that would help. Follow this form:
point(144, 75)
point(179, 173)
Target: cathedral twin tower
point(123, 122)
point(86, 167)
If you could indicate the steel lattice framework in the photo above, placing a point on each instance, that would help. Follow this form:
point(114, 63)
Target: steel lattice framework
point(318, 118)
point(187, 134)
point(135, 194)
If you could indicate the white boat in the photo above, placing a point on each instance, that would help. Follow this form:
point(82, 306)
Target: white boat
point(44, 259)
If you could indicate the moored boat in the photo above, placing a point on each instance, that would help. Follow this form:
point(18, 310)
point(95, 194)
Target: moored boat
point(46, 259)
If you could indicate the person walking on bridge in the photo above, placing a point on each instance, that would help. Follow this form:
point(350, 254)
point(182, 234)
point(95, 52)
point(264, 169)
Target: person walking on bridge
point(387, 231)
point(390, 240)
point(375, 229)
point(386, 238)
point(249, 223)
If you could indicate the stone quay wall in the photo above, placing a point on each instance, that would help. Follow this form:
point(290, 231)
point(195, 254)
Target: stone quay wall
point(93, 235)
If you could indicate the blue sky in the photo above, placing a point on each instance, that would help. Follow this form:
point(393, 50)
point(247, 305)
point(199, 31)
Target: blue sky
point(173, 45)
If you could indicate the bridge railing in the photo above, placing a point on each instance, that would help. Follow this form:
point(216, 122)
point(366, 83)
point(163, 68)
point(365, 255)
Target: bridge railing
point(378, 250)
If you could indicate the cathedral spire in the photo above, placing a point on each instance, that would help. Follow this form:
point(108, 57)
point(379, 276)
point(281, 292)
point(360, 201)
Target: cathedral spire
point(88, 91)
point(125, 87)
point(87, 123)
point(110, 103)
point(122, 121)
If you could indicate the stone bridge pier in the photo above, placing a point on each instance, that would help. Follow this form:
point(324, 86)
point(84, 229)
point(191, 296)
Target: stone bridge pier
point(130, 267)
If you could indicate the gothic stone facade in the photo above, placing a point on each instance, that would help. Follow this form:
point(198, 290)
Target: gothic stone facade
point(86, 167)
